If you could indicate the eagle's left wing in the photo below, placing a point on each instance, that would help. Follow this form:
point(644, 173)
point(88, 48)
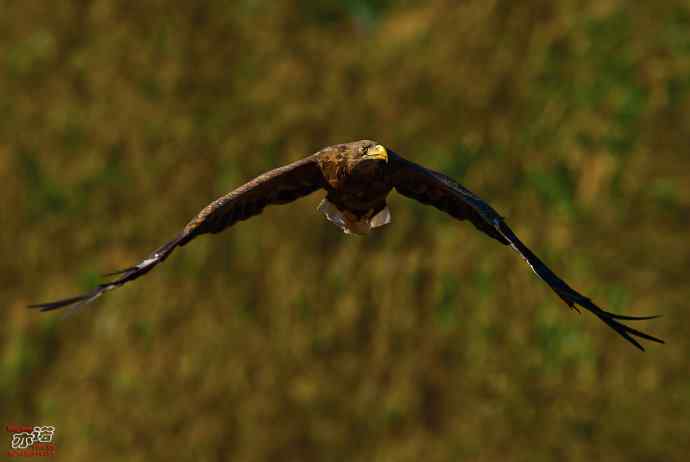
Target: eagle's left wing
point(278, 186)
point(434, 188)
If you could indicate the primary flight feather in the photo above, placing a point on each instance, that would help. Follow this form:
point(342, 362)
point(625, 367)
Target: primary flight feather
point(357, 178)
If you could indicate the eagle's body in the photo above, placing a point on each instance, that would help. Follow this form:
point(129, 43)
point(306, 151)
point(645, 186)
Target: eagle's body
point(357, 177)
point(356, 188)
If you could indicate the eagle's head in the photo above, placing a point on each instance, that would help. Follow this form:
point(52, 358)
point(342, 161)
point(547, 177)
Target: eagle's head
point(369, 151)
point(367, 157)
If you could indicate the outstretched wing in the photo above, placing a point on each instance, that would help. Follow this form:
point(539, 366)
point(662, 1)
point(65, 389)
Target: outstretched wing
point(278, 186)
point(434, 188)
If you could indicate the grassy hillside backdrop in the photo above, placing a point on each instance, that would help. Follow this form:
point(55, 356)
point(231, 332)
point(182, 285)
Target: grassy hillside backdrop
point(284, 339)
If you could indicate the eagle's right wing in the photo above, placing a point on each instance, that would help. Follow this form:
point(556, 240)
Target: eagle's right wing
point(279, 186)
point(434, 188)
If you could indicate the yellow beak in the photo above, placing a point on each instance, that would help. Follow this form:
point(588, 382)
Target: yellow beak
point(377, 152)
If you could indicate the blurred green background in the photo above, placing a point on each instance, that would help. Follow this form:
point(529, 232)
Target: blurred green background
point(284, 339)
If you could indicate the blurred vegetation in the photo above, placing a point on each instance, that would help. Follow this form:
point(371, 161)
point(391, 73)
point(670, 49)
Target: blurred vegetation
point(283, 339)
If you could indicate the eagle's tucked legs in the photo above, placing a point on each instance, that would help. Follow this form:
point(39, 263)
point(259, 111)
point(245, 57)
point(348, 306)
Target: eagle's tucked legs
point(357, 178)
point(351, 223)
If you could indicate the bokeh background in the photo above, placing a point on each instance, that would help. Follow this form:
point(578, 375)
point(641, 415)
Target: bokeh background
point(284, 339)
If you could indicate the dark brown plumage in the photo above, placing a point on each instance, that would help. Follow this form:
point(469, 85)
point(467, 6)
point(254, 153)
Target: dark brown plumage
point(357, 178)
